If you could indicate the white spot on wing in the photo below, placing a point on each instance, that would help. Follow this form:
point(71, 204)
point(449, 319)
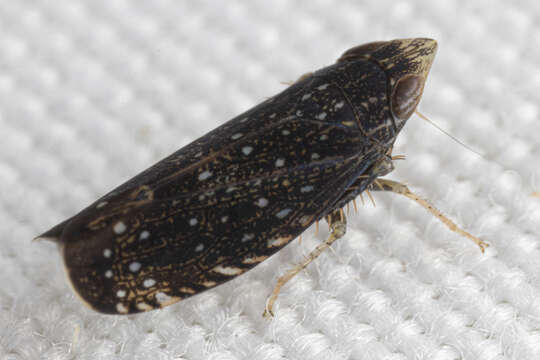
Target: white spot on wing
point(224, 219)
point(164, 299)
point(144, 306)
point(108, 274)
point(247, 150)
point(107, 253)
point(306, 188)
point(280, 241)
point(306, 96)
point(339, 105)
point(144, 235)
point(254, 260)
point(134, 266)
point(321, 116)
point(121, 293)
point(193, 221)
point(262, 202)
point(121, 308)
point(205, 175)
point(227, 270)
point(285, 132)
point(315, 156)
point(101, 204)
point(237, 136)
point(280, 162)
point(149, 283)
point(322, 87)
point(199, 247)
point(247, 237)
point(119, 228)
point(283, 213)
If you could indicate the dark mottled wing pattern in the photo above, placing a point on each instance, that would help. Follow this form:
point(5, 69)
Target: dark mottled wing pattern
point(202, 246)
point(222, 204)
point(230, 199)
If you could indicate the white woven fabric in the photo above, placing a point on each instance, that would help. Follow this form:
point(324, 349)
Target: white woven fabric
point(93, 92)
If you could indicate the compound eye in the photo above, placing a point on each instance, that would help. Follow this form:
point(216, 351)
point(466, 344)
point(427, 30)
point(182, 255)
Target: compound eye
point(406, 96)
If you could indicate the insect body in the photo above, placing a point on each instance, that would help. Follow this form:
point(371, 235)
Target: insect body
point(222, 204)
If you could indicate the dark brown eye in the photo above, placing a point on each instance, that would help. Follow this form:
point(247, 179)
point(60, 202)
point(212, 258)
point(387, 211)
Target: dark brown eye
point(406, 95)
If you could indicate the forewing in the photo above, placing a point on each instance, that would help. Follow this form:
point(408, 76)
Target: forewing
point(178, 247)
point(220, 205)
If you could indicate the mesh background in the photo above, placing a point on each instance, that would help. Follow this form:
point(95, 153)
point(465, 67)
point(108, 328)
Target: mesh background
point(93, 92)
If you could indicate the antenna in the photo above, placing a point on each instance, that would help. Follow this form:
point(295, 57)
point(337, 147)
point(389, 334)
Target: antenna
point(425, 118)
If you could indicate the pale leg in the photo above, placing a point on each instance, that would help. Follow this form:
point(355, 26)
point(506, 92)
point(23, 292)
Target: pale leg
point(338, 228)
point(394, 186)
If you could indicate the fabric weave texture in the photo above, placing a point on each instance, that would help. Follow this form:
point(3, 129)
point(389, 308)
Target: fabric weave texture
point(93, 92)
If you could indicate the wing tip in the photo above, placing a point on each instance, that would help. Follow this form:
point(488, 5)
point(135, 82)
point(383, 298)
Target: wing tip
point(122, 306)
point(54, 234)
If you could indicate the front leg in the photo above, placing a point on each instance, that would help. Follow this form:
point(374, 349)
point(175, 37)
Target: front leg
point(399, 188)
